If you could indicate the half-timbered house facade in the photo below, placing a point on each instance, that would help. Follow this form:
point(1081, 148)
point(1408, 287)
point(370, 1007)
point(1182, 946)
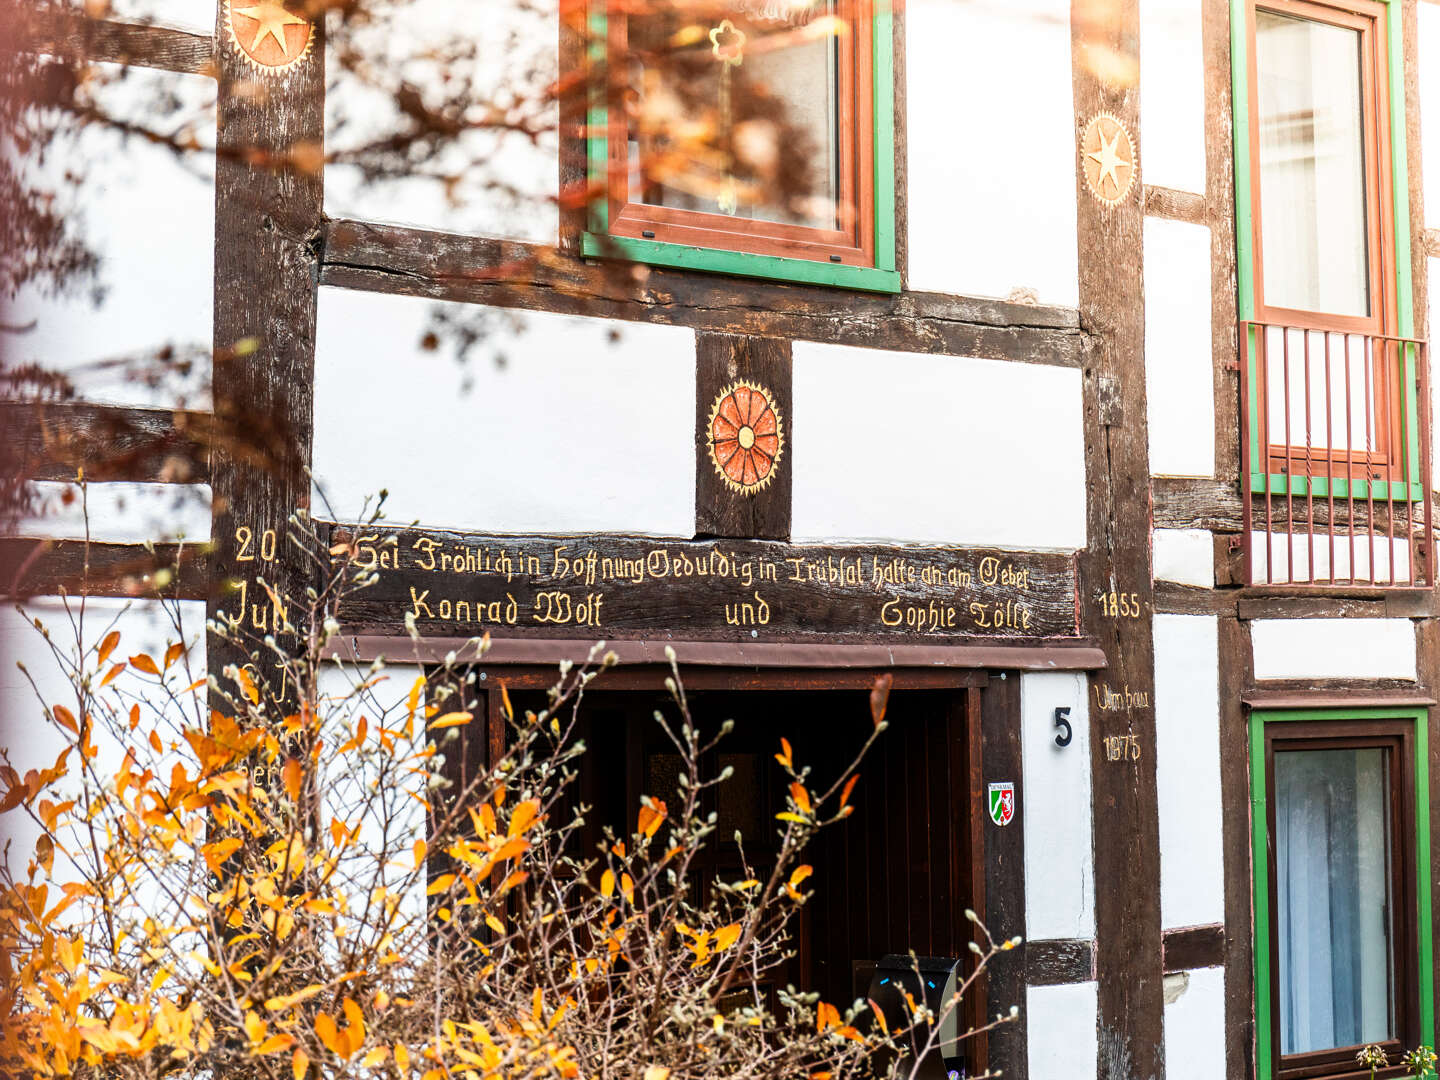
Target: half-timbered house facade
point(1085, 393)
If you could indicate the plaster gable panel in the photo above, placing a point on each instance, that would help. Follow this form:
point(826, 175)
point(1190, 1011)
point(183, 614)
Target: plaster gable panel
point(1195, 1025)
point(119, 512)
point(574, 433)
point(991, 190)
point(1055, 800)
point(1179, 364)
point(1429, 64)
point(892, 446)
point(1333, 648)
point(151, 220)
point(508, 182)
point(1185, 556)
point(1187, 768)
point(1172, 94)
point(1060, 1024)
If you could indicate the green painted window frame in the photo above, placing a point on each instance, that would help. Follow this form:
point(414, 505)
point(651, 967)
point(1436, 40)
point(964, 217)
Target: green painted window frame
point(1260, 872)
point(883, 277)
point(1410, 487)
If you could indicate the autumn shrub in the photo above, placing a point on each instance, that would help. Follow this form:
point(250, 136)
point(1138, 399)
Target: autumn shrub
point(286, 874)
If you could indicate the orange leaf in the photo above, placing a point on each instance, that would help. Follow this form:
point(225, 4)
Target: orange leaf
point(108, 646)
point(801, 796)
point(726, 936)
point(330, 1035)
point(627, 886)
point(880, 697)
point(786, 757)
point(155, 742)
point(145, 664)
point(299, 1064)
point(111, 675)
point(452, 719)
point(219, 851)
point(291, 774)
point(607, 883)
point(134, 716)
point(800, 874)
point(849, 787)
point(66, 719)
point(524, 816)
point(651, 816)
point(247, 685)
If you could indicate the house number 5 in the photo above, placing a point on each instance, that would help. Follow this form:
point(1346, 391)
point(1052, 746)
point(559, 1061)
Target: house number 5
point(1062, 721)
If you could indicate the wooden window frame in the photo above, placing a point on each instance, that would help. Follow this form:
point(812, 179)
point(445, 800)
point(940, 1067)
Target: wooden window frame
point(1403, 734)
point(860, 255)
point(1275, 467)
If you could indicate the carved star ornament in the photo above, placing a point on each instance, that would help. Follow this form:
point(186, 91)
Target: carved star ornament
point(268, 33)
point(1107, 153)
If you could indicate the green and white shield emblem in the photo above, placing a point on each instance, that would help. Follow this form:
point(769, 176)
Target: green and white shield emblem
point(1002, 802)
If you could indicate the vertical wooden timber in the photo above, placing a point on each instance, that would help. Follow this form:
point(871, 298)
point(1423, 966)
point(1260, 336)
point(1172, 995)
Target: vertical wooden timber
point(720, 510)
point(268, 206)
point(1004, 856)
point(1236, 677)
point(1220, 214)
point(1427, 640)
point(1105, 40)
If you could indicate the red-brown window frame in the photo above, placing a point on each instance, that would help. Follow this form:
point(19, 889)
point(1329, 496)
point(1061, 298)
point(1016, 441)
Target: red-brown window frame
point(1397, 738)
point(852, 244)
point(1369, 19)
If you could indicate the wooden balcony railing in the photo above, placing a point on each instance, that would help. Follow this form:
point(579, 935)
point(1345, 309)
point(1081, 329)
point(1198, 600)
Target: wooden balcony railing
point(1335, 449)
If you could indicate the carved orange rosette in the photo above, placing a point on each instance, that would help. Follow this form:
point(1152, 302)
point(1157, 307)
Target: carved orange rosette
point(268, 33)
point(745, 435)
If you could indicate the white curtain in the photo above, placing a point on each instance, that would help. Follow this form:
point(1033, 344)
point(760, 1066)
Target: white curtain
point(1333, 903)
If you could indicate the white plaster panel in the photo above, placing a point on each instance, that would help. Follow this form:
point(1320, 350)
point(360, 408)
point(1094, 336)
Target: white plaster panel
point(1187, 770)
point(27, 736)
point(197, 15)
point(1059, 849)
point(506, 181)
point(1429, 63)
point(1179, 370)
point(1333, 648)
point(1186, 556)
point(1061, 1029)
point(1172, 94)
point(937, 449)
point(1195, 1028)
point(991, 221)
point(151, 220)
point(119, 512)
point(1434, 312)
point(586, 425)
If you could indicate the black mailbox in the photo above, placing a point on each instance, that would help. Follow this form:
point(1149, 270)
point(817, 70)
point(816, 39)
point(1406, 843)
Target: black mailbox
point(932, 980)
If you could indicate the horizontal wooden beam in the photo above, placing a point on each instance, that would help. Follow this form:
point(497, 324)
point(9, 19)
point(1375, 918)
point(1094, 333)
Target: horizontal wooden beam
point(478, 270)
point(1184, 502)
point(1193, 947)
point(1059, 961)
point(31, 567)
point(1176, 205)
point(110, 41)
point(53, 441)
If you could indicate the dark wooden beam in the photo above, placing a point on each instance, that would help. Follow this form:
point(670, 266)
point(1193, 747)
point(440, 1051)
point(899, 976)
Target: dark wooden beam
point(1059, 962)
point(53, 441)
point(1001, 760)
point(1184, 502)
point(133, 44)
point(1194, 947)
point(1172, 598)
point(31, 567)
point(1177, 205)
point(721, 510)
point(1117, 560)
point(1236, 675)
point(478, 270)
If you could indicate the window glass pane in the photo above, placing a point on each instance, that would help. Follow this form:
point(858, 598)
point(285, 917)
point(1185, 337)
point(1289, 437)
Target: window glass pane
point(738, 114)
point(1333, 902)
point(1312, 166)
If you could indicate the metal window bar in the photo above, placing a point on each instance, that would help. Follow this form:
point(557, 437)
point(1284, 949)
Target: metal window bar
point(1335, 450)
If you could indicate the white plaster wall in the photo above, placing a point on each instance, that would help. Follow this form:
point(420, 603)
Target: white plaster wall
point(151, 219)
point(29, 738)
point(1186, 556)
point(991, 205)
point(1433, 265)
point(1179, 366)
point(506, 181)
point(119, 512)
point(1060, 1026)
point(1187, 770)
point(197, 15)
point(1172, 94)
point(573, 432)
point(1059, 849)
point(1333, 648)
point(1195, 1028)
point(937, 449)
point(1429, 63)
